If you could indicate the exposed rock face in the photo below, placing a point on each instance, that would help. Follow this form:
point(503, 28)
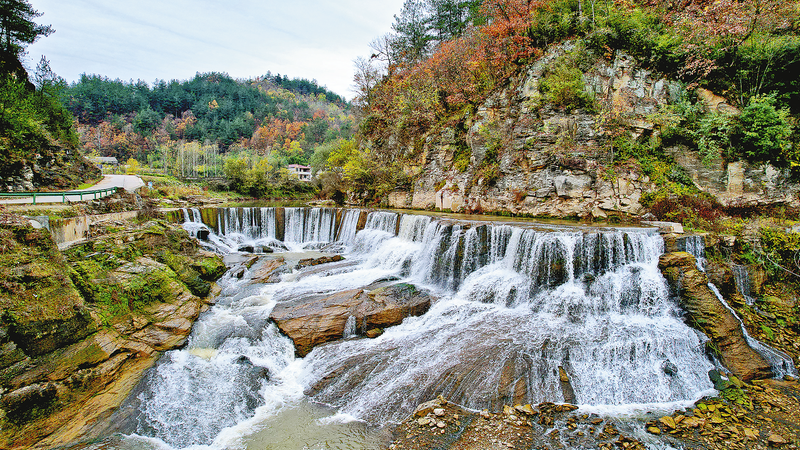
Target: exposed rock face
point(77, 333)
point(52, 168)
point(312, 321)
point(706, 313)
point(552, 162)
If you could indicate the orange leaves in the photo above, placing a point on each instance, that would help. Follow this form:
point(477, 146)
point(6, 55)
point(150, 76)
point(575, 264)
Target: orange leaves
point(276, 132)
point(460, 71)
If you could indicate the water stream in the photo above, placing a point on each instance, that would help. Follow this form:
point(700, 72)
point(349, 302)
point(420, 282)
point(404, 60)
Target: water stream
point(515, 303)
point(781, 363)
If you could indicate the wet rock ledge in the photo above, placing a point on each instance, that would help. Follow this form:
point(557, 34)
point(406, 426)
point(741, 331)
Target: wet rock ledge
point(78, 329)
point(315, 320)
point(705, 312)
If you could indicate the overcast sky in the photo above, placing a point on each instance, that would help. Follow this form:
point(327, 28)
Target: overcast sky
point(175, 39)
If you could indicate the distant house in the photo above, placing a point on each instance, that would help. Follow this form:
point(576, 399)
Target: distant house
point(105, 161)
point(303, 172)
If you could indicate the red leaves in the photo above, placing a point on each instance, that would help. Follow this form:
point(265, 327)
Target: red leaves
point(461, 71)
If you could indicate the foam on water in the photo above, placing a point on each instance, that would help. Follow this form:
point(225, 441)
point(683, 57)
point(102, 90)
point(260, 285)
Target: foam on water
point(514, 302)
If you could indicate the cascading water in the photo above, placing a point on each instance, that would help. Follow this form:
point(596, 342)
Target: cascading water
point(742, 279)
point(781, 363)
point(382, 220)
point(347, 231)
point(520, 303)
point(305, 227)
point(515, 304)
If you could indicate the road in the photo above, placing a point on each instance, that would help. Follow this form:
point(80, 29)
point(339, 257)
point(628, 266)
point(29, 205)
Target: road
point(129, 182)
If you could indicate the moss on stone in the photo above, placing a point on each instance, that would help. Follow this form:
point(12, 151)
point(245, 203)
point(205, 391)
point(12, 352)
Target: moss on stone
point(185, 272)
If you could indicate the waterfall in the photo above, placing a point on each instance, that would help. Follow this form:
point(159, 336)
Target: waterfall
point(781, 363)
point(512, 303)
point(527, 299)
point(350, 328)
point(314, 225)
point(742, 279)
point(347, 232)
point(412, 227)
point(267, 222)
point(382, 220)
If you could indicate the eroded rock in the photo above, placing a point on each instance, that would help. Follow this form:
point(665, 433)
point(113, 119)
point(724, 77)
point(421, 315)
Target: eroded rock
point(706, 313)
point(314, 320)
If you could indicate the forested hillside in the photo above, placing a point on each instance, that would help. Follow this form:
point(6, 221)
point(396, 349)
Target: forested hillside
point(438, 70)
point(191, 128)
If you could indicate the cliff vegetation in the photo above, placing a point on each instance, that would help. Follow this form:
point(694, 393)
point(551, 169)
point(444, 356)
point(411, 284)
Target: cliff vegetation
point(38, 144)
point(620, 86)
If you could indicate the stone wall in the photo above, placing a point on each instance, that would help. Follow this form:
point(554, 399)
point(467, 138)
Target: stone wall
point(76, 229)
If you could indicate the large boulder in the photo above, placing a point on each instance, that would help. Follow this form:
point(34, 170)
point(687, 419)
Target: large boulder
point(269, 269)
point(315, 320)
point(705, 312)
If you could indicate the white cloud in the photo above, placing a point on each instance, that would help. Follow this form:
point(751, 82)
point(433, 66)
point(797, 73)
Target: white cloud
point(174, 39)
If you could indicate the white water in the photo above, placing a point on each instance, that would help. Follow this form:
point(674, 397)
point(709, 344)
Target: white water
point(515, 300)
point(742, 278)
point(781, 363)
point(347, 231)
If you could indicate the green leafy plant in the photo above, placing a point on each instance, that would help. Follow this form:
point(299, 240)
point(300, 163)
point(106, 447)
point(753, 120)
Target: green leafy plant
point(563, 83)
point(762, 131)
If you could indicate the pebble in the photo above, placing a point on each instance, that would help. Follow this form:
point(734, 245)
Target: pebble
point(777, 439)
point(441, 424)
point(438, 412)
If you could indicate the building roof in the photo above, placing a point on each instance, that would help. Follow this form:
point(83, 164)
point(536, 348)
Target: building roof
point(298, 166)
point(105, 159)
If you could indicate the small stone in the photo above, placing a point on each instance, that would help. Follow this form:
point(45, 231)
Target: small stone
point(750, 433)
point(668, 421)
point(526, 409)
point(422, 421)
point(438, 412)
point(441, 424)
point(373, 333)
point(654, 430)
point(777, 440)
point(485, 414)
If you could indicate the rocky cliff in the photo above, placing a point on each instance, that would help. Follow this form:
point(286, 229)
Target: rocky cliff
point(53, 168)
point(78, 329)
point(519, 153)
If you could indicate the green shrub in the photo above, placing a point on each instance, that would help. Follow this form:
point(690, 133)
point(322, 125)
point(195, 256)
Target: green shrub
point(713, 136)
point(563, 84)
point(762, 131)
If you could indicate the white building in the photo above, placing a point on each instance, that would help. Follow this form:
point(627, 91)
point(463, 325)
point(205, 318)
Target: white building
point(303, 172)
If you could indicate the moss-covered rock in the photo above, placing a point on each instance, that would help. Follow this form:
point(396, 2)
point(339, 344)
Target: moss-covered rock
point(39, 304)
point(77, 330)
point(706, 313)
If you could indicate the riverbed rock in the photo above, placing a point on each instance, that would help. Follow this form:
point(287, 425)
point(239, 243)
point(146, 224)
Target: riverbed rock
point(315, 320)
point(317, 261)
point(78, 332)
point(706, 313)
point(269, 269)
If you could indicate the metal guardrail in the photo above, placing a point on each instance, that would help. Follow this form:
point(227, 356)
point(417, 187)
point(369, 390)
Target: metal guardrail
point(63, 194)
